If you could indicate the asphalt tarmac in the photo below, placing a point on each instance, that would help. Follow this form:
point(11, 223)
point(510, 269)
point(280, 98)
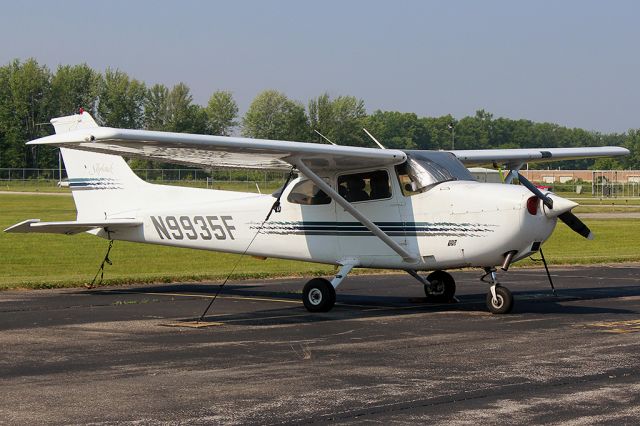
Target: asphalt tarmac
point(383, 355)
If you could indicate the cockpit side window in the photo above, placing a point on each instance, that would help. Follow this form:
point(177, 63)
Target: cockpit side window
point(306, 192)
point(365, 186)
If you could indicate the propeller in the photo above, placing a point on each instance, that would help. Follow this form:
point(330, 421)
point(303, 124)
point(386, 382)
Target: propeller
point(570, 219)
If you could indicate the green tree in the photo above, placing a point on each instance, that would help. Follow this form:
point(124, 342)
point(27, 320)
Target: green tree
point(156, 109)
point(632, 143)
point(439, 131)
point(24, 112)
point(401, 130)
point(272, 115)
point(74, 87)
point(121, 101)
point(222, 113)
point(341, 119)
point(170, 111)
point(474, 132)
point(183, 116)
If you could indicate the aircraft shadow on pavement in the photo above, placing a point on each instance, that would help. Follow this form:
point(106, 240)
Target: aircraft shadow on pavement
point(531, 302)
point(352, 306)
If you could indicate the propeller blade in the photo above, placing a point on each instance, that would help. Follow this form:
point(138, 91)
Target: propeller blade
point(576, 224)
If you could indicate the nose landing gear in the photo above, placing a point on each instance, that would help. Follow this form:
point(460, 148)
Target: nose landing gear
point(499, 299)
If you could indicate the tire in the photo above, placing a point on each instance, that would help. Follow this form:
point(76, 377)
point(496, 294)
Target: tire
point(318, 295)
point(505, 301)
point(442, 287)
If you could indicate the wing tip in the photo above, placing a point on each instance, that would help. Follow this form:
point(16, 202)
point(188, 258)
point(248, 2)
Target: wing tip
point(21, 227)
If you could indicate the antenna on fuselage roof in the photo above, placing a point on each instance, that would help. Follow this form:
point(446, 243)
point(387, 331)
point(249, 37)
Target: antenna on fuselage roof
point(374, 139)
point(324, 137)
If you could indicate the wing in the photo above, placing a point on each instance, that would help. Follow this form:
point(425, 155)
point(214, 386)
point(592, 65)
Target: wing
point(220, 151)
point(71, 227)
point(515, 157)
point(205, 151)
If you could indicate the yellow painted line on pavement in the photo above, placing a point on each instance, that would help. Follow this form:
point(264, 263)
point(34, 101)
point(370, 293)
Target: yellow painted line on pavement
point(205, 296)
point(617, 327)
point(191, 324)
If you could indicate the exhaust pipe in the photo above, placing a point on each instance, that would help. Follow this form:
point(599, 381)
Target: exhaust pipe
point(507, 260)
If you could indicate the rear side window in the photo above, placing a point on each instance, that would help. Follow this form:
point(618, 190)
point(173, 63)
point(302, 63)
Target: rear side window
point(365, 186)
point(306, 192)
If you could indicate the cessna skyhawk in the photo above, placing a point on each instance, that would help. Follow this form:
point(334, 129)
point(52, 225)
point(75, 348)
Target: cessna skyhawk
point(414, 211)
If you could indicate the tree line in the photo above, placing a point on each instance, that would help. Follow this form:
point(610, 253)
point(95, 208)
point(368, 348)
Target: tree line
point(31, 94)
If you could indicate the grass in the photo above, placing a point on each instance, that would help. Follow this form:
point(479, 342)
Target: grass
point(32, 185)
point(616, 241)
point(45, 261)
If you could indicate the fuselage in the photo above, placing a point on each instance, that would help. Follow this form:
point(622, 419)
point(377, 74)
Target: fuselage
point(451, 225)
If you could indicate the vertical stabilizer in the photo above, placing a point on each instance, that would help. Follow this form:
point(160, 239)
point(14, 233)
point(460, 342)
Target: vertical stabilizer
point(103, 185)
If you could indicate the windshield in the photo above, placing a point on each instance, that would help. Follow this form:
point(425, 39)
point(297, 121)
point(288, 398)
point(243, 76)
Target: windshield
point(425, 169)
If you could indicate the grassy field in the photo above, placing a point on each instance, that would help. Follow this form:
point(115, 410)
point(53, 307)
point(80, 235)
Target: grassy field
point(42, 261)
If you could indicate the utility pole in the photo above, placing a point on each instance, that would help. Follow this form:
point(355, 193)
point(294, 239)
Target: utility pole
point(453, 136)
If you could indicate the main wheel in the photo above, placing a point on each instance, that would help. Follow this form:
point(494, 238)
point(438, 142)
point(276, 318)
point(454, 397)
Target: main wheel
point(441, 287)
point(503, 303)
point(318, 295)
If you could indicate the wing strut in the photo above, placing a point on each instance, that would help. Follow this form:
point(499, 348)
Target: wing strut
point(406, 256)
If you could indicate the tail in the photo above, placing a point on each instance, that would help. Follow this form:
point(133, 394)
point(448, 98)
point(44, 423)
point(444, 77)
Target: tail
point(103, 185)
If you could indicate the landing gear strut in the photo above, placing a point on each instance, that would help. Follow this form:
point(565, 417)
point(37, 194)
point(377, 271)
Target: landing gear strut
point(499, 299)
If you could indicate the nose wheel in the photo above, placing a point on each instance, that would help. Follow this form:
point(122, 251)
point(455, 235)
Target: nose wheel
point(499, 299)
point(501, 303)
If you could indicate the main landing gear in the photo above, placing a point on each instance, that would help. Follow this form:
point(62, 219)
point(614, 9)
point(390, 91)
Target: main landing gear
point(499, 299)
point(439, 286)
point(319, 294)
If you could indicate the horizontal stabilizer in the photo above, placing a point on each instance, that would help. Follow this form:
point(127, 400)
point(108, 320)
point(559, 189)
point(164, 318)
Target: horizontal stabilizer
point(71, 227)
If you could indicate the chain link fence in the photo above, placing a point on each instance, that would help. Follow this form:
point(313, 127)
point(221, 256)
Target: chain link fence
point(237, 180)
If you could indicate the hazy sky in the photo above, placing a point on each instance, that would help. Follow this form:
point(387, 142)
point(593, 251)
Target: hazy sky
point(576, 63)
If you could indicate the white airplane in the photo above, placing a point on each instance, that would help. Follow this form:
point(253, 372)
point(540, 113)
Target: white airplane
point(351, 207)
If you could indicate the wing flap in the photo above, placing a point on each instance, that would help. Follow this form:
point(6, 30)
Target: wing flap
point(70, 227)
